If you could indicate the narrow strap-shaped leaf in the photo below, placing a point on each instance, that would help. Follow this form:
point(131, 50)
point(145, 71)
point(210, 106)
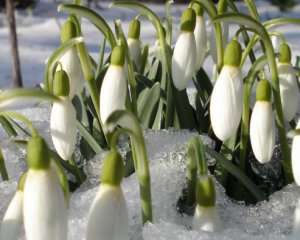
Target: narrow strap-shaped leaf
point(81, 113)
point(144, 60)
point(148, 105)
point(236, 172)
point(89, 138)
point(8, 127)
point(155, 72)
point(93, 17)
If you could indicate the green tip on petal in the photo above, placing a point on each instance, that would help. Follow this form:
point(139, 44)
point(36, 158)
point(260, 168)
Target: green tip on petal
point(38, 157)
point(22, 182)
point(61, 84)
point(263, 91)
point(68, 31)
point(285, 53)
point(118, 56)
point(113, 169)
point(134, 29)
point(198, 10)
point(233, 54)
point(205, 192)
point(188, 20)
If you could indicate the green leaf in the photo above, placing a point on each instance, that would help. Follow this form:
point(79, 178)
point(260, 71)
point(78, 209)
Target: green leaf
point(88, 137)
point(55, 57)
point(93, 17)
point(8, 127)
point(81, 113)
point(155, 72)
point(280, 22)
point(236, 172)
point(145, 53)
point(147, 105)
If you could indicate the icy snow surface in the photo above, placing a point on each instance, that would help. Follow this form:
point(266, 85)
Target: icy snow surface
point(38, 33)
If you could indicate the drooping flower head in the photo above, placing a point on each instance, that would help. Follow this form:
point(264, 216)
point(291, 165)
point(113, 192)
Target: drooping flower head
point(13, 217)
point(289, 92)
point(44, 206)
point(114, 87)
point(262, 124)
point(226, 98)
point(108, 217)
point(63, 118)
point(70, 61)
point(184, 56)
point(296, 156)
point(200, 36)
point(134, 42)
point(206, 217)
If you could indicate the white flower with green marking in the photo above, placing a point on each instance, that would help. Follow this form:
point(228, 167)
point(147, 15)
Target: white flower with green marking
point(201, 41)
point(114, 86)
point(184, 56)
point(227, 96)
point(296, 156)
point(134, 42)
point(262, 123)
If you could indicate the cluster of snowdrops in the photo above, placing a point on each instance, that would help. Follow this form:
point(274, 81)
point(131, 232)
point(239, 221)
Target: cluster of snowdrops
point(134, 88)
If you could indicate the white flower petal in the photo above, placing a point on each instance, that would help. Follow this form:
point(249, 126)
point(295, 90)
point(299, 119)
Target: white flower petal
point(226, 102)
point(113, 91)
point(262, 131)
point(63, 128)
point(201, 40)
point(45, 211)
point(108, 217)
point(289, 92)
point(71, 64)
point(296, 157)
point(184, 60)
point(134, 46)
point(13, 217)
point(207, 219)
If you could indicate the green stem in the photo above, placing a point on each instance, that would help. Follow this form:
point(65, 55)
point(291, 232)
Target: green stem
point(252, 9)
point(3, 170)
point(79, 175)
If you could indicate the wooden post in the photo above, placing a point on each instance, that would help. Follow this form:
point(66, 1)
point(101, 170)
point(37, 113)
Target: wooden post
point(16, 69)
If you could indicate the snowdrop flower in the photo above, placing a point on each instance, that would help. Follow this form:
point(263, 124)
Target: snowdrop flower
point(44, 206)
point(226, 98)
point(206, 217)
point(63, 118)
point(296, 156)
point(289, 91)
point(108, 217)
point(184, 55)
point(200, 36)
point(262, 124)
point(134, 42)
point(13, 217)
point(114, 87)
point(70, 61)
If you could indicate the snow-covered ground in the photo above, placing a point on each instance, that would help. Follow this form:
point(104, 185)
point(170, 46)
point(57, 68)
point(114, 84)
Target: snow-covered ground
point(39, 35)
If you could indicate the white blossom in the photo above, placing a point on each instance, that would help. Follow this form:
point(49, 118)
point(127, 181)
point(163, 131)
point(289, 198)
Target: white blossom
point(45, 211)
point(226, 102)
point(113, 91)
point(207, 219)
point(296, 156)
point(289, 91)
point(63, 127)
point(184, 60)
point(135, 49)
point(262, 131)
point(201, 39)
point(108, 217)
point(13, 218)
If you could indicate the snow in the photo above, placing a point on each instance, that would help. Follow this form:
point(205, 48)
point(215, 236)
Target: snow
point(39, 35)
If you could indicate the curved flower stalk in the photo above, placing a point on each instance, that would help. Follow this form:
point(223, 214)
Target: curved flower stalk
point(134, 42)
point(13, 217)
point(63, 118)
point(108, 217)
point(296, 156)
point(184, 55)
point(288, 86)
point(206, 217)
point(114, 87)
point(44, 206)
point(70, 61)
point(262, 124)
point(200, 36)
point(227, 95)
